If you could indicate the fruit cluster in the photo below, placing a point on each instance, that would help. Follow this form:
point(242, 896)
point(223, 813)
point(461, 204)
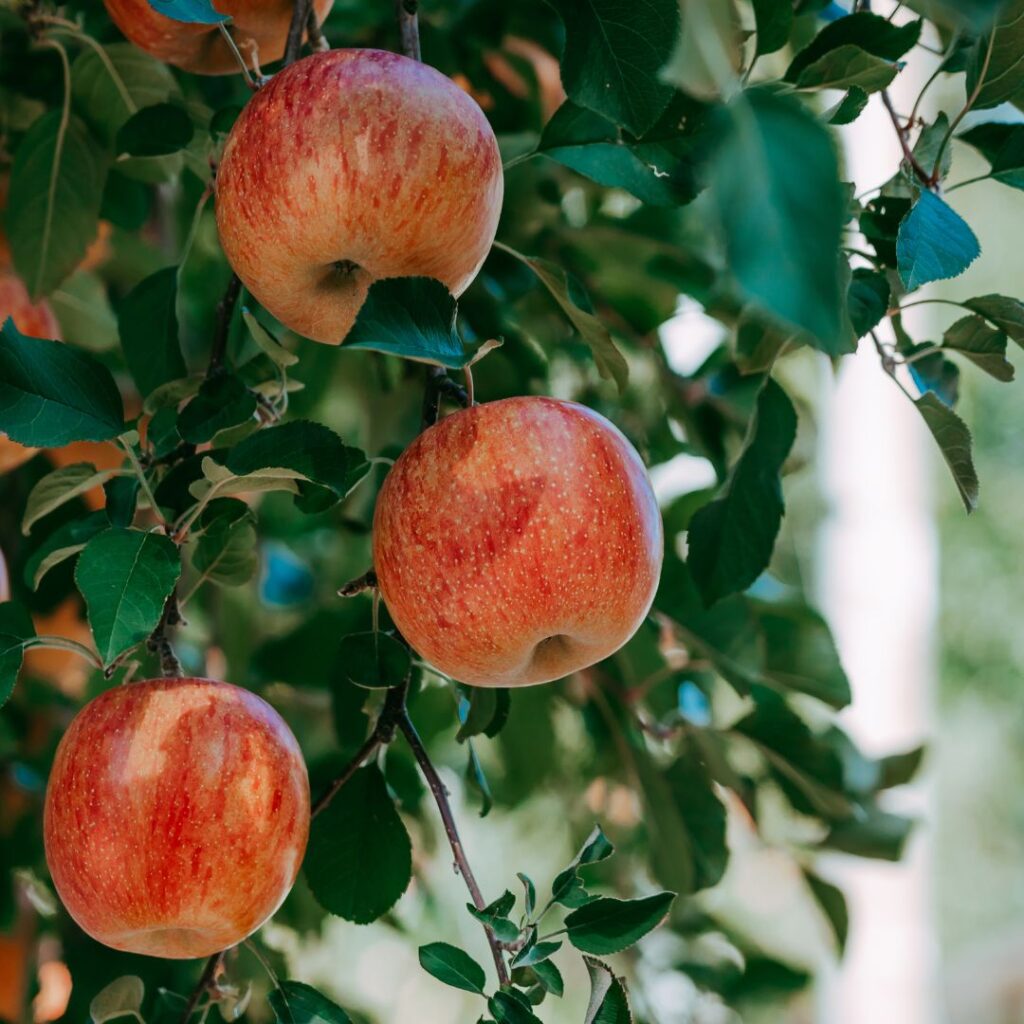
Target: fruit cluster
point(514, 542)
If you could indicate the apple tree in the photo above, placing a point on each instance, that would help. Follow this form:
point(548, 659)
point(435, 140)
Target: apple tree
point(250, 256)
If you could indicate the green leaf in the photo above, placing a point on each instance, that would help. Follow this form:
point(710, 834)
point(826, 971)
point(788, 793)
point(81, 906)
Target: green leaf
point(529, 956)
point(121, 494)
point(193, 12)
point(731, 538)
point(530, 893)
point(659, 170)
point(58, 487)
point(1006, 313)
point(268, 344)
point(867, 299)
point(495, 916)
point(870, 32)
point(52, 394)
point(608, 1003)
point(954, 441)
point(506, 1008)
point(848, 67)
point(934, 243)
point(359, 859)
point(482, 711)
point(576, 305)
point(83, 311)
point(15, 628)
point(155, 131)
point(998, 76)
point(126, 577)
point(595, 849)
point(65, 542)
point(453, 966)
point(121, 998)
point(833, 906)
point(222, 401)
point(148, 325)
point(876, 834)
point(614, 53)
point(549, 976)
point(985, 346)
point(226, 551)
point(374, 660)
point(477, 778)
point(608, 925)
point(899, 769)
point(414, 317)
point(708, 55)
point(292, 1002)
point(849, 108)
point(773, 20)
point(1002, 145)
point(53, 208)
point(775, 184)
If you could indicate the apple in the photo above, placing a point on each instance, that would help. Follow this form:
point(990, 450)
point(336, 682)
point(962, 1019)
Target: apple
point(5, 582)
point(176, 816)
point(349, 166)
point(32, 318)
point(259, 27)
point(517, 542)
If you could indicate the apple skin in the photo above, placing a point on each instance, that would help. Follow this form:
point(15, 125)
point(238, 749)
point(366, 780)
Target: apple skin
point(176, 816)
point(5, 582)
point(34, 319)
point(517, 542)
point(201, 48)
point(350, 166)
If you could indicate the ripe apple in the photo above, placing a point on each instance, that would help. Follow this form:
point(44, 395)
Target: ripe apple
point(32, 318)
point(517, 541)
point(256, 24)
point(5, 582)
point(350, 166)
point(176, 816)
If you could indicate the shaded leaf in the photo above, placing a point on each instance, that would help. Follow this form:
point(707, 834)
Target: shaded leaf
point(867, 299)
point(849, 108)
point(122, 997)
point(295, 1003)
point(833, 905)
point(15, 628)
point(1006, 313)
point(226, 550)
point(65, 542)
point(608, 1002)
point(934, 243)
point(148, 325)
point(870, 32)
point(774, 20)
point(995, 67)
point(222, 401)
point(453, 966)
point(155, 131)
point(58, 487)
point(1002, 145)
point(954, 441)
point(983, 345)
point(374, 660)
point(848, 67)
point(608, 925)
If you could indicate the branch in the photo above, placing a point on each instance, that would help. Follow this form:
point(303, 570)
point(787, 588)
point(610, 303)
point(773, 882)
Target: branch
point(296, 30)
point(408, 26)
point(225, 311)
point(368, 581)
point(207, 980)
point(159, 643)
point(452, 831)
point(908, 154)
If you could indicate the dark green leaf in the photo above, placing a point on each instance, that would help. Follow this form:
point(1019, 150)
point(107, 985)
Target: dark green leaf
point(223, 401)
point(15, 628)
point(453, 966)
point(954, 441)
point(528, 956)
point(505, 1008)
point(574, 303)
point(155, 131)
point(595, 849)
point(122, 496)
point(876, 834)
point(774, 20)
point(414, 317)
point(226, 551)
point(549, 976)
point(867, 299)
point(983, 345)
point(530, 893)
point(195, 12)
point(52, 394)
point(731, 539)
point(126, 577)
point(53, 208)
point(608, 925)
point(934, 243)
point(486, 711)
point(995, 67)
point(56, 488)
point(148, 325)
point(933, 372)
point(871, 32)
point(374, 660)
point(849, 108)
point(779, 199)
point(899, 769)
point(614, 54)
point(359, 860)
point(848, 67)
point(608, 1003)
point(65, 542)
point(1002, 145)
point(833, 905)
point(292, 1002)
point(1006, 313)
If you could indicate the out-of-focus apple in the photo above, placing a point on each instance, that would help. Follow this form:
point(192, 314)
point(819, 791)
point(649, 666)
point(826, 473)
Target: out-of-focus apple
point(176, 816)
point(518, 541)
point(5, 582)
point(67, 670)
point(350, 166)
point(259, 27)
point(35, 319)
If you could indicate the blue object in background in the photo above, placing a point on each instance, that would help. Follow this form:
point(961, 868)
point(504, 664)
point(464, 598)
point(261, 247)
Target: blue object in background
point(285, 579)
point(693, 704)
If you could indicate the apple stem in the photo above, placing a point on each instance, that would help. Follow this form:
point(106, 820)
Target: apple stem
point(437, 788)
point(207, 980)
point(296, 30)
point(408, 26)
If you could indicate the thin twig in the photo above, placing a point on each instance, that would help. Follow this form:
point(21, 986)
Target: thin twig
point(207, 980)
point(297, 30)
point(225, 311)
point(437, 788)
point(316, 38)
point(408, 26)
point(368, 581)
point(908, 154)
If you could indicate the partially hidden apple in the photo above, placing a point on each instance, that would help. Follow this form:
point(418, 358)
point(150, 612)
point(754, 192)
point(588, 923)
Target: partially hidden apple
point(35, 319)
point(176, 816)
point(5, 580)
point(518, 541)
point(350, 166)
point(259, 28)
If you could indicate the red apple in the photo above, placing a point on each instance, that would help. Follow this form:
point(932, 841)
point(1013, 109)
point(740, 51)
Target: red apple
point(518, 541)
point(259, 27)
point(32, 318)
point(350, 166)
point(176, 816)
point(5, 582)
